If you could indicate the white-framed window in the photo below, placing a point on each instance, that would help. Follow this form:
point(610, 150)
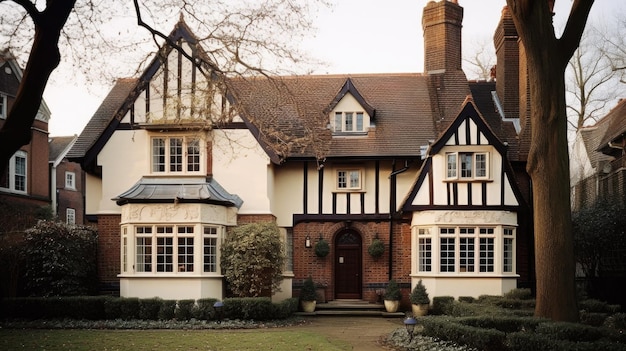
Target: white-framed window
point(467, 165)
point(349, 179)
point(124, 253)
point(175, 154)
point(348, 122)
point(3, 106)
point(70, 216)
point(185, 248)
point(466, 249)
point(425, 247)
point(14, 178)
point(70, 180)
point(508, 252)
point(210, 249)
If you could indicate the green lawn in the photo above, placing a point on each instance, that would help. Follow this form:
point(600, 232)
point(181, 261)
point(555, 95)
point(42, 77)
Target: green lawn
point(138, 340)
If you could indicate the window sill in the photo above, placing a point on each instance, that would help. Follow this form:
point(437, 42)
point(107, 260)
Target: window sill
point(169, 275)
point(466, 275)
point(469, 180)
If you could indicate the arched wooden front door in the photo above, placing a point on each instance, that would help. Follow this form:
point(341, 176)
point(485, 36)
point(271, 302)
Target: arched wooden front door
point(348, 265)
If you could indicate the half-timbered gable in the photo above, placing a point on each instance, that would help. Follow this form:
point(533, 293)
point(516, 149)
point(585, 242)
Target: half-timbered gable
point(464, 207)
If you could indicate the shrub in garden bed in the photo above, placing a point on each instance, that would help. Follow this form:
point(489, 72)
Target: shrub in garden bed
point(149, 308)
point(503, 324)
point(168, 307)
point(184, 308)
point(451, 330)
point(204, 308)
point(523, 341)
point(443, 304)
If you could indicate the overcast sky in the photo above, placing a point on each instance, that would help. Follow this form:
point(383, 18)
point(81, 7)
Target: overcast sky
point(354, 36)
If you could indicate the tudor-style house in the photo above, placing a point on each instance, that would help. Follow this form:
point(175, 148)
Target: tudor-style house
point(24, 188)
point(429, 163)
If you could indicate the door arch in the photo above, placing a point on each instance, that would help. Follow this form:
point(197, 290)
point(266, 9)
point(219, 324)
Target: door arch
point(348, 265)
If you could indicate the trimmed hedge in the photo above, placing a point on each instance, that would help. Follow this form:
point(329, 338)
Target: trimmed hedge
point(111, 308)
point(442, 305)
point(523, 341)
point(450, 330)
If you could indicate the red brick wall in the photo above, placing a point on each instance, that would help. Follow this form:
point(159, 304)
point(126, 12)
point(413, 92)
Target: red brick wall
point(375, 273)
point(109, 249)
point(255, 218)
point(68, 198)
point(38, 166)
point(441, 22)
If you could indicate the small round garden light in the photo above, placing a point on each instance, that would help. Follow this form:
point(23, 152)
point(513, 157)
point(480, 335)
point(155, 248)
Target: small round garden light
point(410, 323)
point(218, 311)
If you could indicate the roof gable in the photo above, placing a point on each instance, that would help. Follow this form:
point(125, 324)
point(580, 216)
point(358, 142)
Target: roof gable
point(468, 132)
point(469, 128)
point(349, 88)
point(122, 96)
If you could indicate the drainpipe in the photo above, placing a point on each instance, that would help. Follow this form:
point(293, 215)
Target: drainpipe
point(392, 207)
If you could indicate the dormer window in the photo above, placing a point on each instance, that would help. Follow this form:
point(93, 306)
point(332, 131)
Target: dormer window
point(348, 122)
point(467, 165)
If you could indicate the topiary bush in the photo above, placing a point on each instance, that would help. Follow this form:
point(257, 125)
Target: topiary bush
point(253, 259)
point(376, 248)
point(419, 295)
point(392, 291)
point(322, 248)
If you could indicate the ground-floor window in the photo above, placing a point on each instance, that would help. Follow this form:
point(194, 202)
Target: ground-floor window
point(465, 249)
point(171, 249)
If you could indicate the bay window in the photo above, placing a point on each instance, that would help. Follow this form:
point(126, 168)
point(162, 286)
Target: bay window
point(465, 249)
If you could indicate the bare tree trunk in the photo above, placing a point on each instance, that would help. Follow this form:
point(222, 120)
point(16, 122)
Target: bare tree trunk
point(44, 58)
point(548, 159)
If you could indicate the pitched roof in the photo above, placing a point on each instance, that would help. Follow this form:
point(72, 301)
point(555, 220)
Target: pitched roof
point(616, 120)
point(101, 118)
point(505, 130)
point(404, 115)
point(59, 146)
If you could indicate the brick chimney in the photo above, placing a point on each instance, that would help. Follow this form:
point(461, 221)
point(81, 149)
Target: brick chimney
point(505, 40)
point(441, 22)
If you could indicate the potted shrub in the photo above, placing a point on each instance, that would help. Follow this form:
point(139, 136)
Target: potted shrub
point(392, 296)
point(322, 248)
point(308, 295)
point(419, 300)
point(376, 248)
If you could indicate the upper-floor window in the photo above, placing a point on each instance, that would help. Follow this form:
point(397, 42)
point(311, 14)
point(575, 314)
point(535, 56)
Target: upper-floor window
point(349, 179)
point(3, 106)
point(348, 122)
point(175, 154)
point(70, 216)
point(467, 165)
point(14, 178)
point(70, 180)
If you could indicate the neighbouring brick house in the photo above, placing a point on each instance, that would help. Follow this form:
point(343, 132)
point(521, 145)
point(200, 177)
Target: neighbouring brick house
point(599, 160)
point(24, 188)
point(430, 163)
point(66, 182)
